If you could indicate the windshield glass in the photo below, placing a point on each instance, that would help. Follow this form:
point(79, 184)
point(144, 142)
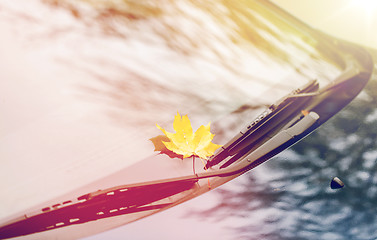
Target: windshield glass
point(86, 82)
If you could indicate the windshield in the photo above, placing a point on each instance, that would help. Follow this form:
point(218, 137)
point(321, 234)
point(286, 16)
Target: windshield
point(85, 83)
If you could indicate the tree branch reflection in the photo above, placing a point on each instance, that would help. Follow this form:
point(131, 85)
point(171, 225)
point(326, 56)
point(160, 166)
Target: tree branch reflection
point(290, 198)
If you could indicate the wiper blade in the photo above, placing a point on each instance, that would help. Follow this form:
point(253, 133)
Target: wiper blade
point(268, 121)
point(133, 198)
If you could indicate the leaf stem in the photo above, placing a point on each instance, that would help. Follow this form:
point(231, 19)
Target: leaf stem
point(193, 163)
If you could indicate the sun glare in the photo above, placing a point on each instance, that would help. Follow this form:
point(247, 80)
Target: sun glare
point(367, 6)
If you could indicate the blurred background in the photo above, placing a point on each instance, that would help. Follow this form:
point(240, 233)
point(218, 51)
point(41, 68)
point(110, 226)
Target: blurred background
point(286, 198)
point(289, 197)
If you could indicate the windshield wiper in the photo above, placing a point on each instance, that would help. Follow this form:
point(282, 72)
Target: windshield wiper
point(270, 121)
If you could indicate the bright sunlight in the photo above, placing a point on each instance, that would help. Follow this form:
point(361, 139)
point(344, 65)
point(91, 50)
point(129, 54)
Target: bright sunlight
point(368, 7)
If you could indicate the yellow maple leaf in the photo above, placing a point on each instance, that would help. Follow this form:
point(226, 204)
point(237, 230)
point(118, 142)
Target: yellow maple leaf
point(186, 143)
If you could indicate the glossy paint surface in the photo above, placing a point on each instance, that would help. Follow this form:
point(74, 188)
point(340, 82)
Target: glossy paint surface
point(82, 91)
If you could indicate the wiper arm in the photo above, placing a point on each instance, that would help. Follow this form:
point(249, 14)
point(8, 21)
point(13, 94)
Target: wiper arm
point(269, 121)
point(284, 113)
